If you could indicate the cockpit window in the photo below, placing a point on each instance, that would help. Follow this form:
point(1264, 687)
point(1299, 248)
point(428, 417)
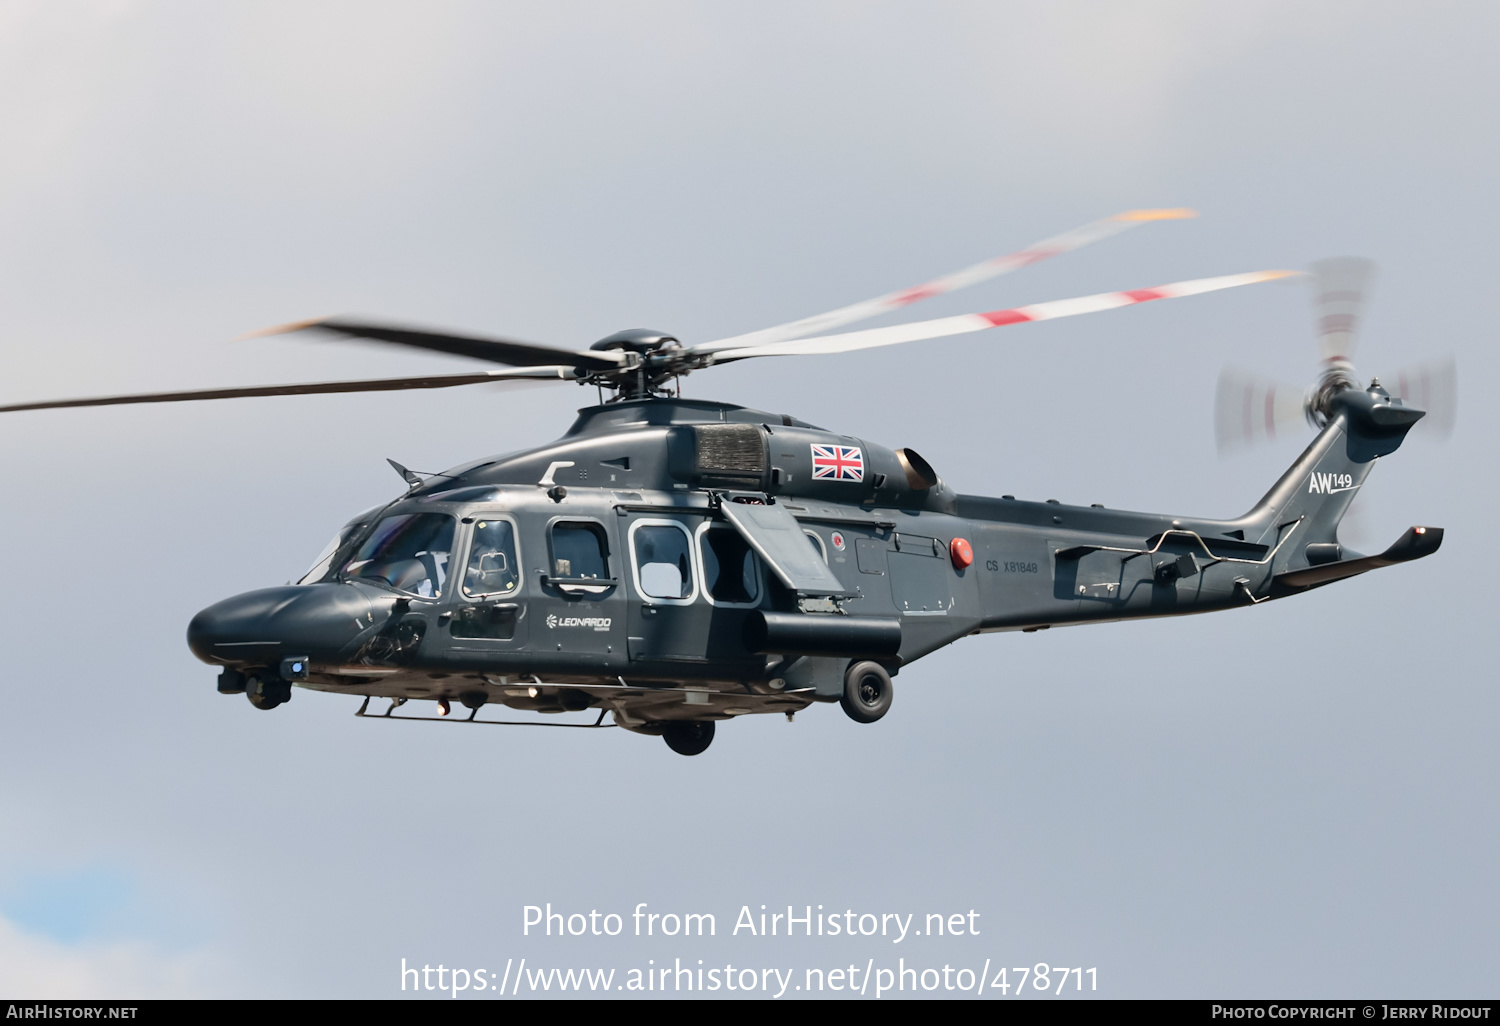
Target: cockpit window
point(493, 568)
point(407, 552)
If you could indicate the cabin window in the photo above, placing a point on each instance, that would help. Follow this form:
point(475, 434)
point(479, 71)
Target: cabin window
point(407, 552)
point(730, 575)
point(661, 551)
point(579, 550)
point(493, 567)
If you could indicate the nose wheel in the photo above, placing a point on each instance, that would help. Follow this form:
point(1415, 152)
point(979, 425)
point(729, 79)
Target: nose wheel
point(867, 692)
point(688, 737)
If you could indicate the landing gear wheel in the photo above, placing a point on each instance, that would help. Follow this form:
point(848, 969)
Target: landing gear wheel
point(267, 694)
point(867, 692)
point(688, 737)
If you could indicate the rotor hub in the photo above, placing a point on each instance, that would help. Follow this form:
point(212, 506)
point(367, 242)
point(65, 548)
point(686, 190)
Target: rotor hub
point(1338, 376)
point(658, 361)
point(637, 340)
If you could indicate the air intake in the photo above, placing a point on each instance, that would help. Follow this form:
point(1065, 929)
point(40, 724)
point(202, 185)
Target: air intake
point(730, 455)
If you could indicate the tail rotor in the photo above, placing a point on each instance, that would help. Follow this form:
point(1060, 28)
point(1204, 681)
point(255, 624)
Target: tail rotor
point(1340, 286)
point(1432, 386)
point(1250, 409)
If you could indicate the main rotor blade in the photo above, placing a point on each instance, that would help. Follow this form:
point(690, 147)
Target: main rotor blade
point(541, 374)
point(1249, 409)
point(1340, 285)
point(506, 351)
point(1095, 231)
point(965, 323)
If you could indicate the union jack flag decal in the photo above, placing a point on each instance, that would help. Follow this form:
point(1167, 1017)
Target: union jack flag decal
point(838, 463)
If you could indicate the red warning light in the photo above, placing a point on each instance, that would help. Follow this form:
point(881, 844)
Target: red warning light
point(961, 553)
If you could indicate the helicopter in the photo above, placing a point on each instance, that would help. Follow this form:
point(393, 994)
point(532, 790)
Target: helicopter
point(676, 562)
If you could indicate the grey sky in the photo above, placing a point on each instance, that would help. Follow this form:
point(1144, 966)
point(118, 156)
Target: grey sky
point(1298, 799)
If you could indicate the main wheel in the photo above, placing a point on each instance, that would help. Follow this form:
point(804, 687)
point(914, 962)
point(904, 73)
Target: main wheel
point(688, 737)
point(867, 692)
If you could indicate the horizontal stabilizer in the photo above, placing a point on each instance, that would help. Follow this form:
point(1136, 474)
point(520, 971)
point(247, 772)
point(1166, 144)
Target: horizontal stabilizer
point(1414, 544)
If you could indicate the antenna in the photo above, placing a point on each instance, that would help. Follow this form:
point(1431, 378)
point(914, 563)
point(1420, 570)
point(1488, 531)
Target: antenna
point(410, 478)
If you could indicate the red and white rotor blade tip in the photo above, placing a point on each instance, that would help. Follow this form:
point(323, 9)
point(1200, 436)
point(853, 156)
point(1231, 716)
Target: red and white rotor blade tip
point(1095, 231)
point(1340, 286)
point(1249, 409)
point(1433, 387)
point(963, 324)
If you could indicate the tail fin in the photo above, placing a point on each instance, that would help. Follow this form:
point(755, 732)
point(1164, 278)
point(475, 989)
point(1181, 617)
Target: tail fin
point(1299, 516)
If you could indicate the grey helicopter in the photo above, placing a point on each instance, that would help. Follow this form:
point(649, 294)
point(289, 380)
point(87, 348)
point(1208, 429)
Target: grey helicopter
point(675, 562)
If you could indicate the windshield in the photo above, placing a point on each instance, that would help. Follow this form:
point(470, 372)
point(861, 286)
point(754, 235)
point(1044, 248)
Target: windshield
point(319, 569)
point(407, 552)
point(321, 565)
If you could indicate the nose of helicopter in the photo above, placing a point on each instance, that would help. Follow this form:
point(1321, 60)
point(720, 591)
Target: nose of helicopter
point(261, 627)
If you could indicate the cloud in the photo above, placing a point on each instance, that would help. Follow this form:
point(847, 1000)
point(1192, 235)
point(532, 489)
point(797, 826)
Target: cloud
point(33, 967)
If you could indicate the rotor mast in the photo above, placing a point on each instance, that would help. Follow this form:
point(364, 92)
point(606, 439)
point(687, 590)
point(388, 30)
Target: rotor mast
point(646, 375)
